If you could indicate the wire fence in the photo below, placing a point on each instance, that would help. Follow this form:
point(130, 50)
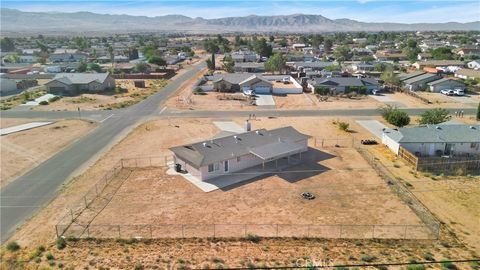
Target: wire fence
point(404, 194)
point(153, 231)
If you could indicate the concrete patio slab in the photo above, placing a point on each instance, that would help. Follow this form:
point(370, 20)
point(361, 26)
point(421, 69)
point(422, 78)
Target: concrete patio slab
point(228, 126)
point(374, 126)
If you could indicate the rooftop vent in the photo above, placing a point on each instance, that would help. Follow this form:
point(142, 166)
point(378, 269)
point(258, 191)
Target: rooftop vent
point(204, 144)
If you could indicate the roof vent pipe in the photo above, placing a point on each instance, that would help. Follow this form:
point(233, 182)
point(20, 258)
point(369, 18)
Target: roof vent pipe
point(204, 144)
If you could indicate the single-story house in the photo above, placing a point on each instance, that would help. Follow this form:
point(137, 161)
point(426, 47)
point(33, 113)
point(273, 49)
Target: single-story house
point(438, 63)
point(341, 84)
point(261, 84)
point(317, 65)
point(420, 82)
point(467, 74)
point(225, 155)
point(244, 56)
point(406, 76)
point(445, 83)
point(70, 84)
point(446, 139)
point(249, 67)
point(362, 67)
point(67, 55)
point(468, 52)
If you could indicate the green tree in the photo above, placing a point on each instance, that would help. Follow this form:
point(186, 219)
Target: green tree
point(7, 44)
point(228, 64)
point(316, 40)
point(275, 63)
point(12, 58)
point(110, 53)
point(478, 112)
point(327, 45)
point(81, 66)
point(283, 42)
point(321, 90)
point(333, 68)
point(262, 48)
point(141, 67)
point(211, 63)
point(342, 53)
point(434, 116)
point(442, 53)
point(157, 60)
point(389, 77)
point(398, 118)
point(95, 67)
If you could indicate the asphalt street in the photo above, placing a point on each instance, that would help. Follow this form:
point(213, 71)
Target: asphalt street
point(20, 199)
point(29, 193)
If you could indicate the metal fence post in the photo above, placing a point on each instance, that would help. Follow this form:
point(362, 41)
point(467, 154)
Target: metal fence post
point(56, 230)
point(119, 234)
point(71, 214)
point(85, 200)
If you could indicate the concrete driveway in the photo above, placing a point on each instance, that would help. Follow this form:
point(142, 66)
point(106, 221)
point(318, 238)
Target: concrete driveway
point(265, 100)
point(388, 100)
point(374, 126)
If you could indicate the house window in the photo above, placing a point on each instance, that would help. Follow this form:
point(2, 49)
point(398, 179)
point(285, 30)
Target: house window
point(216, 166)
point(210, 167)
point(238, 159)
point(473, 145)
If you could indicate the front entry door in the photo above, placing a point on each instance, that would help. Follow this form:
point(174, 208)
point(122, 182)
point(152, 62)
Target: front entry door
point(226, 166)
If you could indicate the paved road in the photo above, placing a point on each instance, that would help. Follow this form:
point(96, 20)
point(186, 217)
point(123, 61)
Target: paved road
point(23, 197)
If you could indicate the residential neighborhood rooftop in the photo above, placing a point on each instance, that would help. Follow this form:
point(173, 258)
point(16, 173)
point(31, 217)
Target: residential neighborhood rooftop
point(448, 132)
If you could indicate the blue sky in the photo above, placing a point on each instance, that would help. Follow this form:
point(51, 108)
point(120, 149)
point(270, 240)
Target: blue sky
point(363, 10)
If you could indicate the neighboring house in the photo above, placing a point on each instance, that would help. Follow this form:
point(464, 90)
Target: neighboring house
point(340, 85)
point(406, 76)
point(362, 67)
point(261, 84)
point(212, 158)
point(474, 64)
point(249, 67)
point(438, 63)
point(430, 44)
point(298, 46)
point(468, 74)
point(70, 84)
point(469, 52)
point(67, 55)
point(116, 59)
point(417, 83)
point(301, 65)
point(447, 139)
point(359, 40)
point(424, 56)
point(390, 55)
point(445, 83)
point(28, 59)
point(244, 56)
point(294, 57)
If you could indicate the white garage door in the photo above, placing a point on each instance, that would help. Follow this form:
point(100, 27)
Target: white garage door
point(262, 90)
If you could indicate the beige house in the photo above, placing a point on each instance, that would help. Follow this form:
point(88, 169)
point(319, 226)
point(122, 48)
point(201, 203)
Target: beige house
point(70, 84)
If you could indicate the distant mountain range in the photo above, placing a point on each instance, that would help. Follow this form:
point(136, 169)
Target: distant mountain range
point(18, 22)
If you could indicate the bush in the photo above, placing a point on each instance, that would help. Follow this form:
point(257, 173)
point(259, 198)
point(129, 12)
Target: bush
point(343, 126)
point(138, 266)
point(49, 256)
point(368, 258)
point(398, 118)
point(44, 102)
point(448, 266)
point(55, 98)
point(254, 238)
point(12, 246)
point(415, 267)
point(197, 90)
point(434, 116)
point(322, 90)
point(61, 243)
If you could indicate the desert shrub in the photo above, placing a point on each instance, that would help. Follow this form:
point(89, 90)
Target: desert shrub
point(343, 126)
point(49, 256)
point(12, 246)
point(197, 90)
point(398, 118)
point(446, 265)
point(415, 267)
point(367, 258)
point(434, 116)
point(381, 267)
point(60, 243)
point(322, 90)
point(138, 266)
point(428, 256)
point(253, 238)
point(55, 98)
point(37, 260)
point(44, 102)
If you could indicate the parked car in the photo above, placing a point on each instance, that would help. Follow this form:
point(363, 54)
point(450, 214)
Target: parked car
point(459, 92)
point(448, 92)
point(248, 92)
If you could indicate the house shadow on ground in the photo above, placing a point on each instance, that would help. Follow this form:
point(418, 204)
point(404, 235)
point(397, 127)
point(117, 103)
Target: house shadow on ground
point(298, 170)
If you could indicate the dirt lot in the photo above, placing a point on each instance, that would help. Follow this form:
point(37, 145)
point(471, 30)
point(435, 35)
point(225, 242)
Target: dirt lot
point(23, 150)
point(349, 191)
point(109, 100)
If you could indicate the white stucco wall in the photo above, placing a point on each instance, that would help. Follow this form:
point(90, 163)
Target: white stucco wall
point(390, 143)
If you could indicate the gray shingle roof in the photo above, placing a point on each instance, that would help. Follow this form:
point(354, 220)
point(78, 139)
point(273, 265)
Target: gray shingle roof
point(229, 147)
point(348, 81)
point(80, 78)
point(406, 76)
point(443, 80)
point(426, 76)
point(446, 133)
